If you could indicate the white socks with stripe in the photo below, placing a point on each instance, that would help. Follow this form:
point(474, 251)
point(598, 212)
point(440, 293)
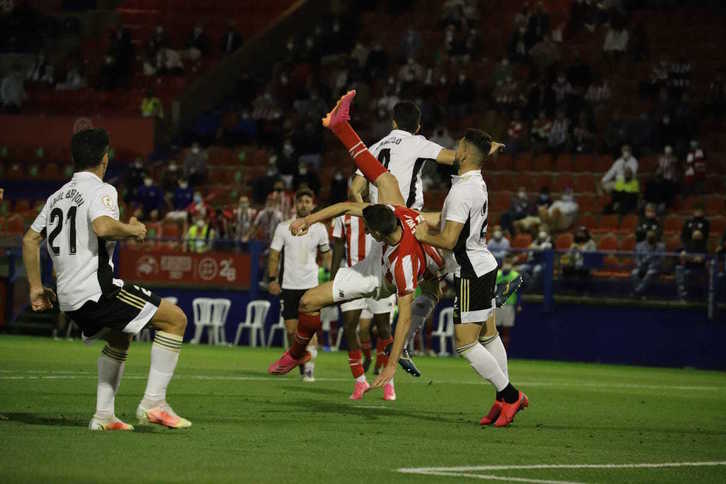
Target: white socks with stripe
point(164, 356)
point(485, 365)
point(111, 365)
point(496, 348)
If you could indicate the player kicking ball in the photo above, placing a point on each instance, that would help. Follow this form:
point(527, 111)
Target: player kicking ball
point(80, 223)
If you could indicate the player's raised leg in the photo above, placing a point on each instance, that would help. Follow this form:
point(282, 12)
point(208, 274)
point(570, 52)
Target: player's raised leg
point(337, 121)
point(170, 322)
point(111, 365)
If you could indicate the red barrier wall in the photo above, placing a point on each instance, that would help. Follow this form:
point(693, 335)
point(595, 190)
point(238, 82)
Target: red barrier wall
point(130, 136)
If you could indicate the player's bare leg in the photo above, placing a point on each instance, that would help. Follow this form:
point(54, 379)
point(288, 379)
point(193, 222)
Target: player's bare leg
point(337, 121)
point(350, 326)
point(111, 365)
point(170, 322)
point(308, 324)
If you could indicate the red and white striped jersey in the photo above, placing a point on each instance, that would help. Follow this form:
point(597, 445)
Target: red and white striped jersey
point(408, 261)
point(357, 242)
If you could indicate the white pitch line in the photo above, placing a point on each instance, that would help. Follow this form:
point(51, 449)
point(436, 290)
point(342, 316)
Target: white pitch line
point(491, 477)
point(369, 406)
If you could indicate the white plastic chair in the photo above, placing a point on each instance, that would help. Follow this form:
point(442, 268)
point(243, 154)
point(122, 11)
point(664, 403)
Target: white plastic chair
point(445, 330)
point(210, 313)
point(254, 321)
point(280, 326)
point(327, 316)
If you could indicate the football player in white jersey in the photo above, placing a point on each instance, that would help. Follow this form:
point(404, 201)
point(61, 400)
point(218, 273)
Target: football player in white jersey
point(299, 269)
point(403, 152)
point(461, 226)
point(80, 223)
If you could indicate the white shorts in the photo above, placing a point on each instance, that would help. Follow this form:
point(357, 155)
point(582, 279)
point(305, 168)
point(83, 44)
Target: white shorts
point(360, 281)
point(505, 315)
point(354, 305)
point(382, 306)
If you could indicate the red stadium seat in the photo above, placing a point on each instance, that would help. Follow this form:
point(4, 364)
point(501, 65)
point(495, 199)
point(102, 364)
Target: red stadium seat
point(583, 163)
point(718, 225)
point(672, 224)
point(628, 223)
point(608, 242)
point(521, 241)
point(627, 243)
point(15, 225)
point(588, 221)
point(542, 180)
point(715, 205)
point(542, 163)
point(608, 223)
point(585, 183)
point(22, 206)
point(565, 162)
point(564, 241)
point(562, 182)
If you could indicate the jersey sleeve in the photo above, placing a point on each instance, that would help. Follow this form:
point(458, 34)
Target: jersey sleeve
point(338, 228)
point(41, 221)
point(404, 275)
point(430, 150)
point(323, 242)
point(104, 203)
point(458, 206)
point(278, 240)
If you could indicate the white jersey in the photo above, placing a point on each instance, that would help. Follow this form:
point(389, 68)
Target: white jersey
point(467, 203)
point(404, 155)
point(299, 265)
point(358, 243)
point(82, 260)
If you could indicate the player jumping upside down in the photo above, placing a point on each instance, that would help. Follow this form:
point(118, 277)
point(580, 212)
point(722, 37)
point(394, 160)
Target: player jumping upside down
point(81, 224)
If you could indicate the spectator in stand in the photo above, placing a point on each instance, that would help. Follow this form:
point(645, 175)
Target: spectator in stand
point(244, 218)
point(648, 262)
point(540, 132)
point(232, 39)
point(168, 62)
point(198, 44)
point(545, 54)
point(151, 106)
point(543, 198)
point(409, 74)
point(306, 177)
point(720, 261)
point(502, 71)
point(562, 89)
point(697, 223)
point(201, 235)
point(662, 189)
point(266, 221)
point(517, 49)
point(338, 188)
point(692, 263)
point(579, 74)
point(616, 39)
point(411, 44)
point(515, 134)
point(181, 199)
point(122, 50)
point(695, 170)
point(499, 245)
point(12, 90)
point(518, 209)
point(573, 262)
point(535, 257)
point(559, 135)
point(583, 138)
point(157, 41)
point(195, 165)
point(462, 95)
point(74, 80)
point(538, 26)
point(377, 62)
point(150, 196)
point(561, 215)
point(649, 223)
point(599, 93)
point(625, 194)
point(41, 71)
point(617, 170)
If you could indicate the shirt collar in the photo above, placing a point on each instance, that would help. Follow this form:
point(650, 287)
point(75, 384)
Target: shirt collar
point(466, 174)
point(399, 132)
point(87, 175)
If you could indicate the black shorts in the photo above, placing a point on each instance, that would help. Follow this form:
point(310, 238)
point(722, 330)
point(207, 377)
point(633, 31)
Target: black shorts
point(129, 309)
point(473, 301)
point(289, 301)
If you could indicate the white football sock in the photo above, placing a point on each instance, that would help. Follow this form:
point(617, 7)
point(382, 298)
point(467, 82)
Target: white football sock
point(496, 348)
point(111, 365)
point(313, 349)
point(485, 365)
point(421, 309)
point(164, 356)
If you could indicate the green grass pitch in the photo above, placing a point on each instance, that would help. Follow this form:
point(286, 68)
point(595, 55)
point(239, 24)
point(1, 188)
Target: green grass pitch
point(249, 427)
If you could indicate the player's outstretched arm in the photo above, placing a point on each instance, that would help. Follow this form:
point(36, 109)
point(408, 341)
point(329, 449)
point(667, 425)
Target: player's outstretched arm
point(110, 229)
point(446, 239)
point(446, 157)
point(299, 226)
point(40, 297)
point(432, 219)
point(399, 339)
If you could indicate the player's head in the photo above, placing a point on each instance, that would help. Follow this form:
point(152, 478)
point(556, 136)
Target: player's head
point(380, 221)
point(89, 149)
point(407, 117)
point(475, 146)
point(304, 201)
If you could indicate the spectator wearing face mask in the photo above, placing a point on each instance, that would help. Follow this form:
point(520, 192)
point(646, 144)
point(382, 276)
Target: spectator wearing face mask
point(338, 188)
point(195, 165)
point(244, 217)
point(692, 264)
point(266, 221)
point(518, 210)
point(200, 236)
point(617, 170)
point(695, 169)
point(506, 314)
point(181, 199)
point(536, 257)
point(499, 245)
point(150, 196)
point(697, 223)
point(305, 176)
point(561, 214)
point(663, 187)
point(625, 194)
point(648, 262)
point(573, 262)
point(649, 223)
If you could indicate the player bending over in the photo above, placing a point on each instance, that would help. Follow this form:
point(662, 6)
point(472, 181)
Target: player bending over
point(81, 227)
point(461, 227)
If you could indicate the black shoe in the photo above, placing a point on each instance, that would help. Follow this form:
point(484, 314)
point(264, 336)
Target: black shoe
point(407, 364)
point(377, 370)
point(503, 291)
point(366, 363)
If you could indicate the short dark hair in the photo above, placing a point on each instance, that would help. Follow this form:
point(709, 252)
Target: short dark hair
point(480, 139)
point(407, 116)
point(304, 191)
point(88, 147)
point(380, 218)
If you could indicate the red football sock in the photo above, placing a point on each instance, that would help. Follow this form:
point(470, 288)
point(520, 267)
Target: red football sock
point(307, 326)
point(364, 160)
point(366, 347)
point(354, 360)
point(381, 356)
